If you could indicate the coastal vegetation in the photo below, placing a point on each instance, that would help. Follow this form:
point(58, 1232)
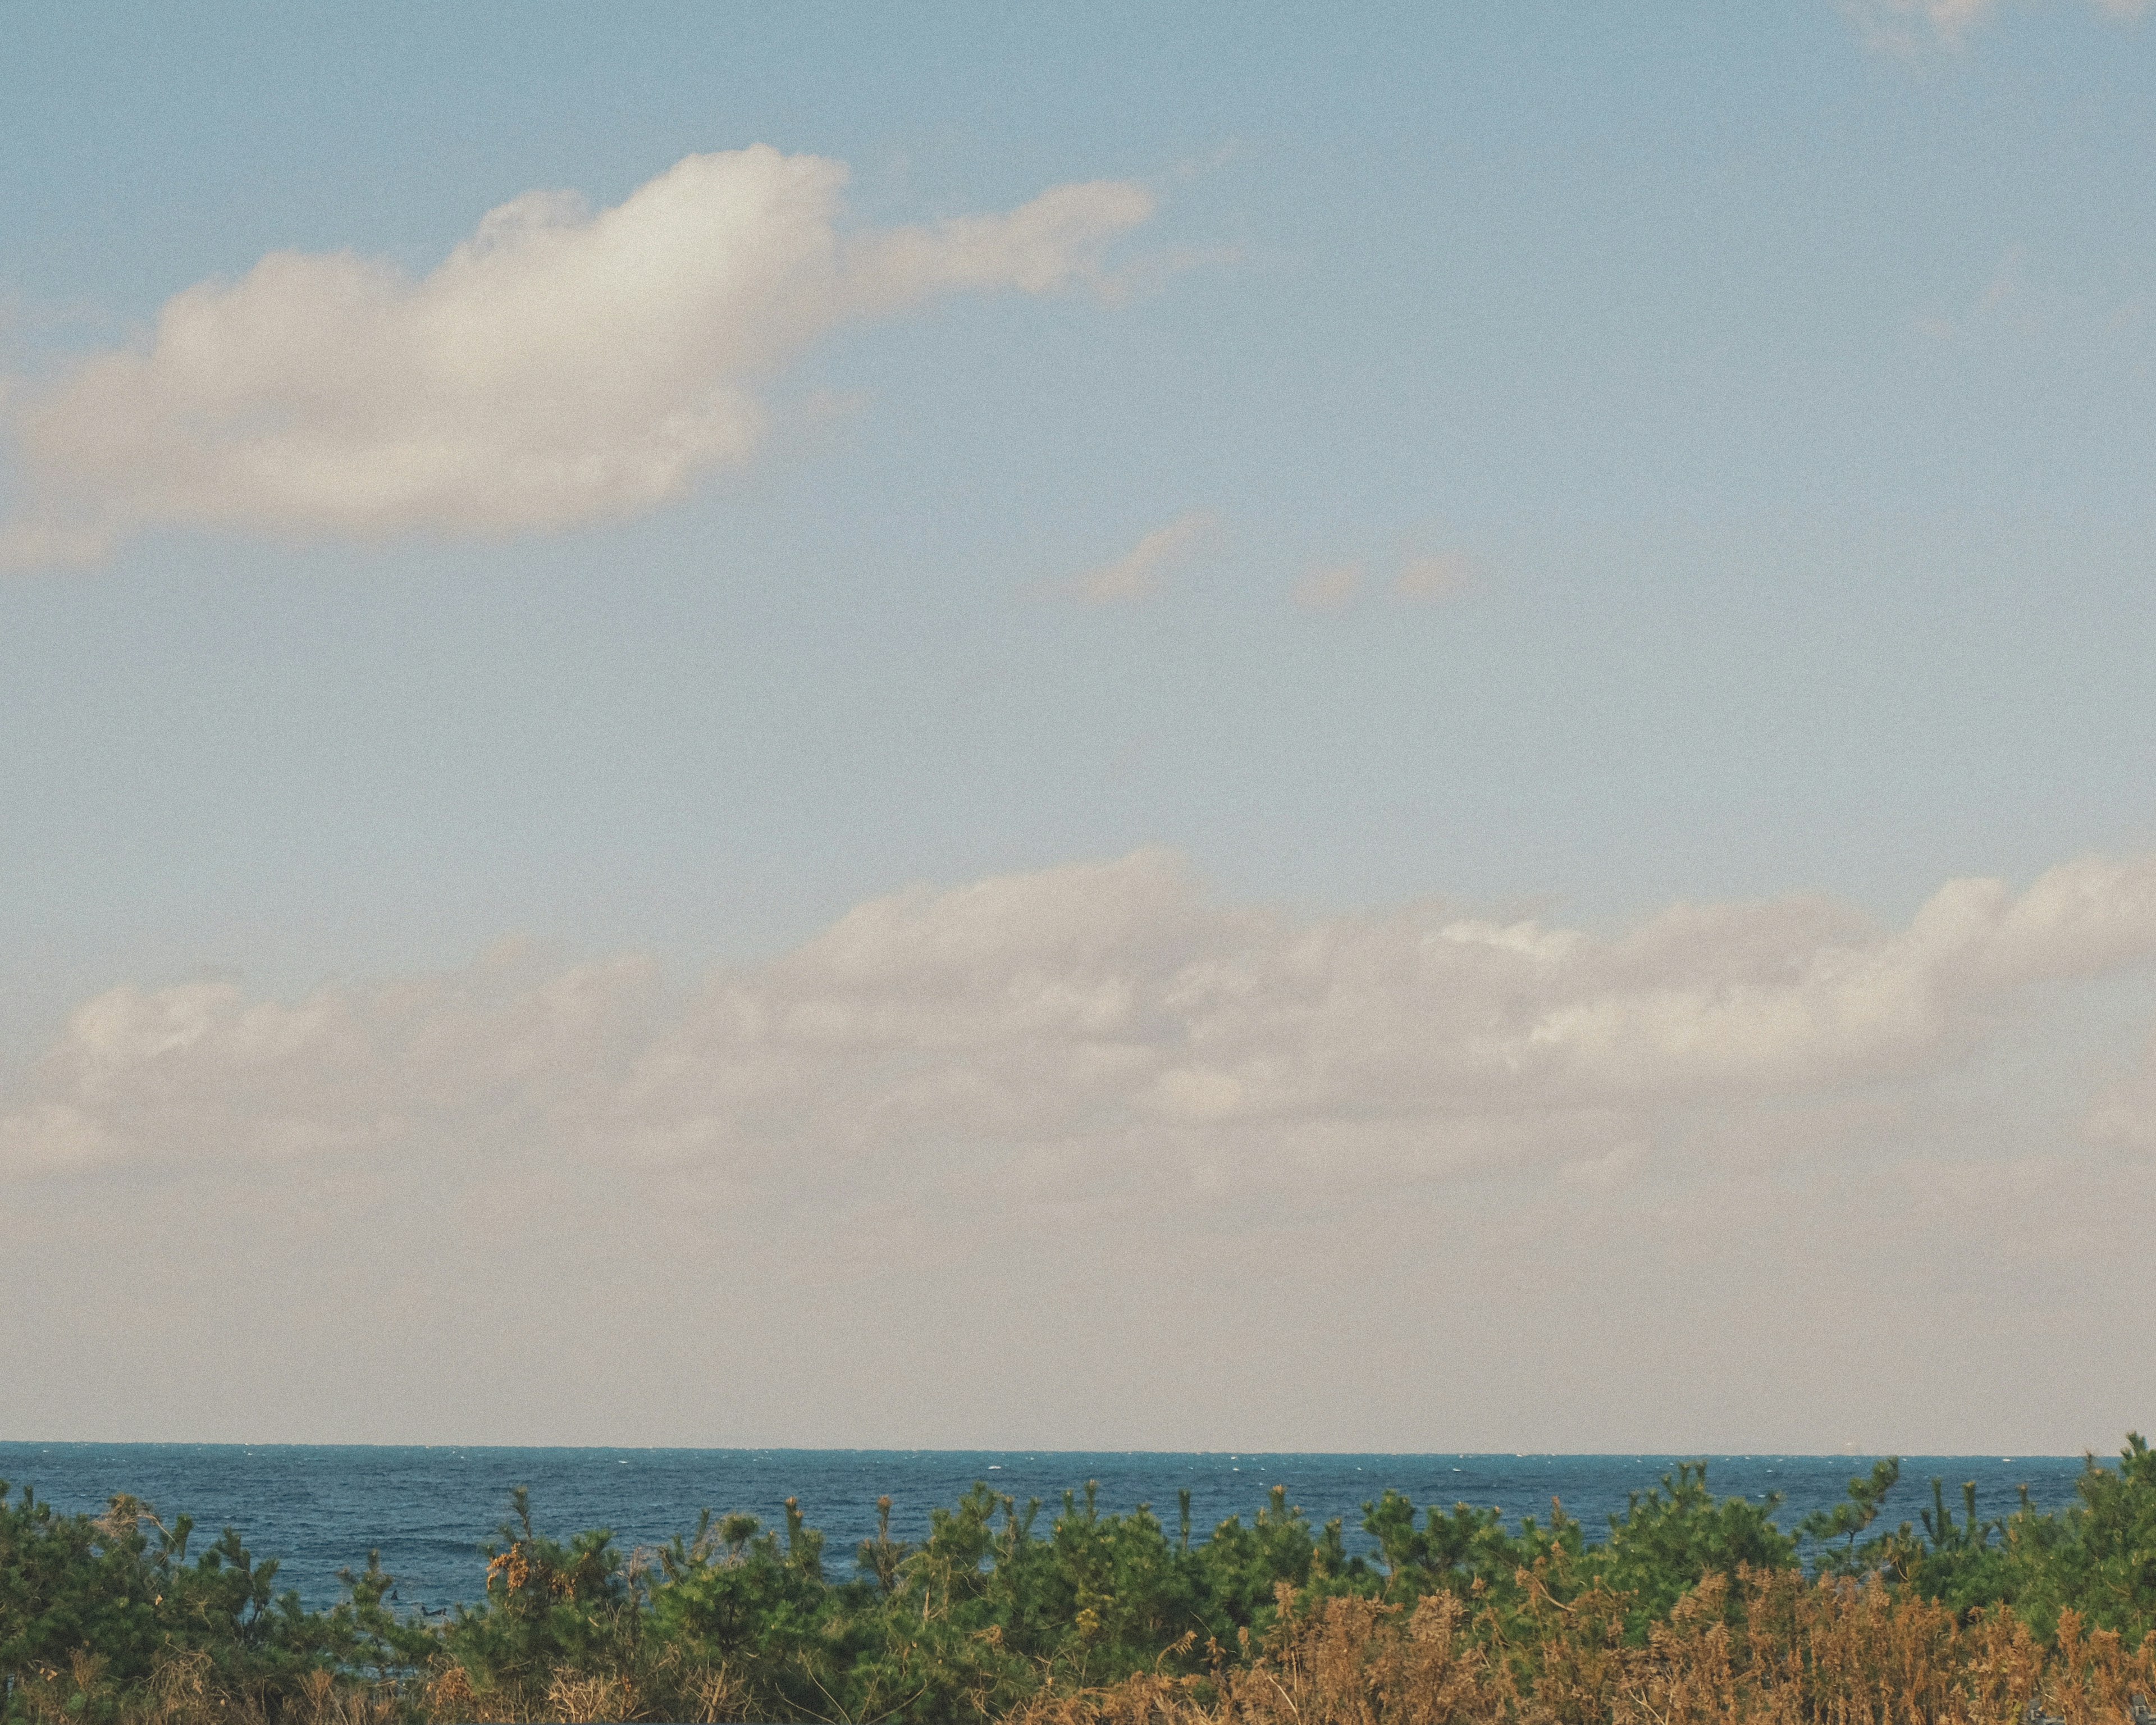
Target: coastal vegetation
point(1687, 1608)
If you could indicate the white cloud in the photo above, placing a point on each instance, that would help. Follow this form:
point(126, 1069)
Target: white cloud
point(1106, 1021)
point(560, 366)
point(1139, 573)
point(1906, 26)
point(1332, 588)
point(1085, 1157)
point(1901, 24)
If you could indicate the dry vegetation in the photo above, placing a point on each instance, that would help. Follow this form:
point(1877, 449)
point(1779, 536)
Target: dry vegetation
point(1690, 1610)
point(1831, 1652)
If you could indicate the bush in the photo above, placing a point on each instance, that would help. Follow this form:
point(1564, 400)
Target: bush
point(1691, 1608)
point(100, 1621)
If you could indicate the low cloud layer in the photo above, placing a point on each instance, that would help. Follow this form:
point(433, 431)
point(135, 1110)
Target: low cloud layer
point(1109, 1022)
point(1086, 1157)
point(560, 366)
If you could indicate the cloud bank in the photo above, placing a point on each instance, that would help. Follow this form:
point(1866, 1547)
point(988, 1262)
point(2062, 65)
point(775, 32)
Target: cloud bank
point(560, 366)
point(1108, 1020)
point(1085, 1158)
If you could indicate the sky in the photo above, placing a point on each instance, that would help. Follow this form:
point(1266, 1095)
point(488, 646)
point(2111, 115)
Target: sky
point(1123, 727)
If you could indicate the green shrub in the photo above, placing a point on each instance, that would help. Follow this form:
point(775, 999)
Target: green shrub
point(107, 1620)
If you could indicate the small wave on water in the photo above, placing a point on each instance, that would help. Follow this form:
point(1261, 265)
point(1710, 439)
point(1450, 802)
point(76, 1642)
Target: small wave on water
point(321, 1508)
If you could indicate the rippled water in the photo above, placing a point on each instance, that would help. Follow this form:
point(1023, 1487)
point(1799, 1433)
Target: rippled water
point(428, 1510)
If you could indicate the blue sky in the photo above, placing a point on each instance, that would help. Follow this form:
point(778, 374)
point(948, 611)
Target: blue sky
point(1757, 400)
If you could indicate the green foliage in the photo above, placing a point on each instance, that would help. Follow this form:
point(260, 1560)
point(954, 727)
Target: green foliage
point(106, 1621)
point(549, 1606)
point(1845, 1521)
point(2097, 1559)
point(97, 1614)
point(1670, 1539)
point(1468, 1551)
point(2112, 1538)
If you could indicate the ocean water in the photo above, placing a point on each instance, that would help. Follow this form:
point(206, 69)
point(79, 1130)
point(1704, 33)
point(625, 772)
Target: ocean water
point(321, 1508)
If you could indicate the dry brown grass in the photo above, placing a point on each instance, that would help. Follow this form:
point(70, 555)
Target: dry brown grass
point(183, 1691)
point(576, 1697)
point(1824, 1653)
point(1797, 1652)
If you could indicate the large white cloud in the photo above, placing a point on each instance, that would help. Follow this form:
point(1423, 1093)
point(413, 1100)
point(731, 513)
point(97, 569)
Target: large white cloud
point(1107, 1021)
point(559, 367)
point(1086, 1158)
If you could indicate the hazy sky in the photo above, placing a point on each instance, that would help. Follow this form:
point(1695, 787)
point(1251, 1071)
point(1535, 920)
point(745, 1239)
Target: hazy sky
point(1170, 728)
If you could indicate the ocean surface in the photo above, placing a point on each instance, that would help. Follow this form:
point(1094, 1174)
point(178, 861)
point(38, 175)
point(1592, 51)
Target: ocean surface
point(320, 1509)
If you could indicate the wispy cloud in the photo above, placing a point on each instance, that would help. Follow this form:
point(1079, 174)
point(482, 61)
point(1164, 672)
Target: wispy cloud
point(1140, 573)
point(560, 366)
point(1909, 26)
point(1421, 578)
point(2005, 284)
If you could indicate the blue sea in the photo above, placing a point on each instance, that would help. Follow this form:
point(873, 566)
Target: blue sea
point(321, 1508)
